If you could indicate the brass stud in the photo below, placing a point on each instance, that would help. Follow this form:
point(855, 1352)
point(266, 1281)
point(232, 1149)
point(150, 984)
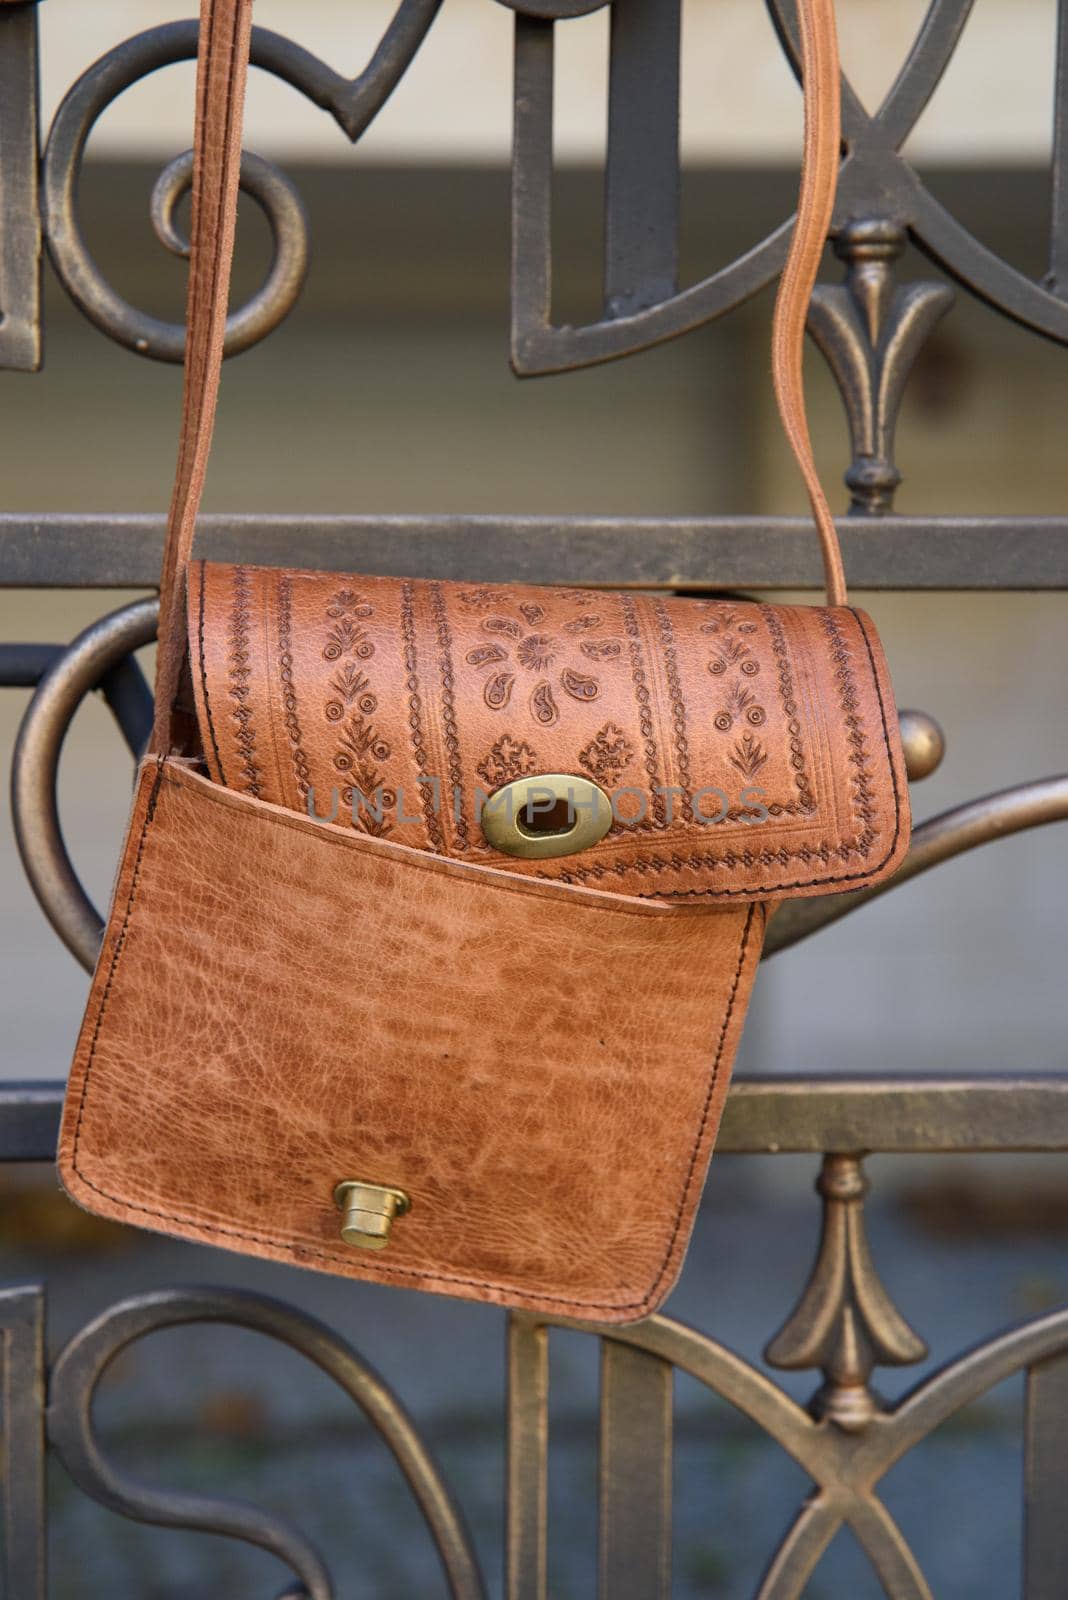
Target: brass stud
point(923, 743)
point(368, 1211)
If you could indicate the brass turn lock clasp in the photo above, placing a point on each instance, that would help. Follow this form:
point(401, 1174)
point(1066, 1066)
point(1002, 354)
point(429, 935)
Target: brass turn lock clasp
point(551, 814)
point(367, 1212)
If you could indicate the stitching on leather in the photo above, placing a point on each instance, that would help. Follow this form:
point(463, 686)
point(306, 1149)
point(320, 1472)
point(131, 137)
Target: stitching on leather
point(275, 1242)
point(120, 942)
point(665, 1266)
point(204, 675)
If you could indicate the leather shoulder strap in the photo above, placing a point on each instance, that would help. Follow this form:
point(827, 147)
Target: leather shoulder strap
point(222, 70)
point(821, 75)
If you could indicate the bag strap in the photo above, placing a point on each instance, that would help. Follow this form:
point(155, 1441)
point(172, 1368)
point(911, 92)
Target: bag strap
point(222, 71)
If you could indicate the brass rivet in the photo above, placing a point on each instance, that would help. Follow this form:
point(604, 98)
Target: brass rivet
point(367, 1212)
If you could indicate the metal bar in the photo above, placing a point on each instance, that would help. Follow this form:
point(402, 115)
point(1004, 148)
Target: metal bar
point(129, 698)
point(124, 687)
point(1057, 277)
point(22, 666)
point(637, 1395)
point(29, 1120)
point(909, 1116)
point(1045, 1524)
point(642, 165)
point(979, 822)
point(67, 551)
point(528, 1459)
point(25, 1507)
point(20, 214)
point(532, 180)
point(783, 1115)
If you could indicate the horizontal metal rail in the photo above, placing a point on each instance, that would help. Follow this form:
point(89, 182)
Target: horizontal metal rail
point(691, 553)
point(765, 1116)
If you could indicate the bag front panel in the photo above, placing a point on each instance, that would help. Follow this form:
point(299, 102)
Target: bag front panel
point(282, 1004)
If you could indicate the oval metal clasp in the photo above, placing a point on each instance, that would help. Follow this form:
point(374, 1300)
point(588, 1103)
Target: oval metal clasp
point(551, 814)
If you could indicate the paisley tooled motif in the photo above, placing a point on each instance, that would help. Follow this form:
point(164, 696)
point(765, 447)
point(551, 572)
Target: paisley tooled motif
point(579, 685)
point(498, 690)
point(543, 707)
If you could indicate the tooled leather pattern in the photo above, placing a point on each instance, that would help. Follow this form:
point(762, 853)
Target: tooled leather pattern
point(280, 1005)
point(752, 749)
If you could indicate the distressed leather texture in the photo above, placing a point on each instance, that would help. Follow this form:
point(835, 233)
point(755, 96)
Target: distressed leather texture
point(282, 1003)
point(753, 750)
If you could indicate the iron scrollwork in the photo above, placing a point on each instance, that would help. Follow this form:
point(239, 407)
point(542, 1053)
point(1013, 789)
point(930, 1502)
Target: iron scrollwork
point(84, 1360)
point(846, 1464)
point(353, 103)
point(873, 167)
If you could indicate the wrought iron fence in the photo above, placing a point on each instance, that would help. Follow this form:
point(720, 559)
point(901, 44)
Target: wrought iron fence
point(870, 328)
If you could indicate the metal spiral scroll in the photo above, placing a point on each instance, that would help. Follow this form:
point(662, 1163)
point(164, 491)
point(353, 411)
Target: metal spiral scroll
point(79, 670)
point(353, 103)
point(85, 1359)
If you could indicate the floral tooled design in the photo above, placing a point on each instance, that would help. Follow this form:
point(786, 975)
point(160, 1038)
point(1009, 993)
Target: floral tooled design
point(748, 756)
point(348, 611)
point(507, 759)
point(733, 655)
point(606, 755)
point(483, 598)
point(350, 686)
point(536, 652)
point(740, 703)
point(351, 706)
point(359, 751)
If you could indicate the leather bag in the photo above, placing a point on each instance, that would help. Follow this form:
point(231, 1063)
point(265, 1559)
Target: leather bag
point(330, 1010)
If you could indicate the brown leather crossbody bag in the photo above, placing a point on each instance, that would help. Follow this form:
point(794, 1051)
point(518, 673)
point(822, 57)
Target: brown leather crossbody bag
point(435, 925)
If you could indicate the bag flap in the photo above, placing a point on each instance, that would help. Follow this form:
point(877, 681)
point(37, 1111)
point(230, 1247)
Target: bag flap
point(750, 751)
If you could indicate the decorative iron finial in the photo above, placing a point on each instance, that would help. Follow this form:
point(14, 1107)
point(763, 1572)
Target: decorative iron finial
point(845, 1322)
point(871, 332)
